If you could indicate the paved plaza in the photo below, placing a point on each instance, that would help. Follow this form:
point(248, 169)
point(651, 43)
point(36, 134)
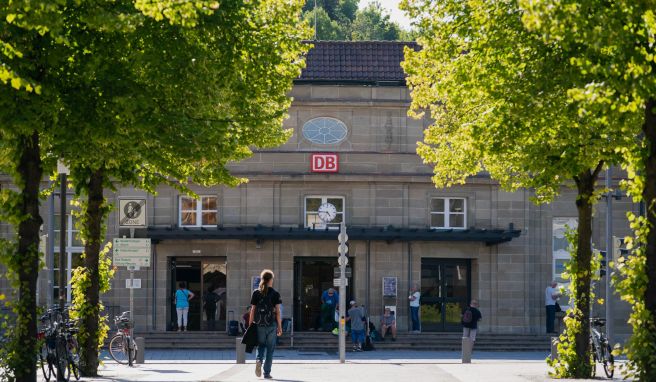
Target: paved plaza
point(294, 366)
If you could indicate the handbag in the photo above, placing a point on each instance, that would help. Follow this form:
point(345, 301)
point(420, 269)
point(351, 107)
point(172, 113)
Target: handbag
point(558, 308)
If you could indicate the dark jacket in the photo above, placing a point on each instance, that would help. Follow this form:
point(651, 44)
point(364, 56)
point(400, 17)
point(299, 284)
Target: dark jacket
point(250, 338)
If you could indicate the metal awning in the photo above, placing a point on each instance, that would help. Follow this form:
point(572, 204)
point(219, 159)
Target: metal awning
point(389, 234)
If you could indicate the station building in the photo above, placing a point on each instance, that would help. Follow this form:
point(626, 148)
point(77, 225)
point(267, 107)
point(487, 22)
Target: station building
point(353, 146)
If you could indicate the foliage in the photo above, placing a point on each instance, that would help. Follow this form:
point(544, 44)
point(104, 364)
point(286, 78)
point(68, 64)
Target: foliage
point(326, 28)
point(614, 44)
point(498, 94)
point(372, 23)
point(569, 362)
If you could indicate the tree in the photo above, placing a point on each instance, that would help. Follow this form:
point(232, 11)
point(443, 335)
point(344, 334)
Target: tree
point(499, 97)
point(372, 23)
point(614, 43)
point(326, 28)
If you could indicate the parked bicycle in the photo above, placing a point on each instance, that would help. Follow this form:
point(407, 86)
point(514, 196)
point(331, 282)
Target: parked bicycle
point(59, 354)
point(122, 347)
point(601, 351)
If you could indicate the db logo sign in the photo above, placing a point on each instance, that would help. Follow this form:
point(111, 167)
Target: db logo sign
point(324, 163)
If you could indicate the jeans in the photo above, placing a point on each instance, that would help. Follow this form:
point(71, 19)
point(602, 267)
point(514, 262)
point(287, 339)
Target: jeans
point(266, 337)
point(471, 333)
point(551, 317)
point(414, 313)
point(182, 316)
point(357, 336)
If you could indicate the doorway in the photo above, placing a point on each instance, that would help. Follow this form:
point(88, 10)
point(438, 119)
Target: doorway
point(445, 293)
point(312, 276)
point(206, 278)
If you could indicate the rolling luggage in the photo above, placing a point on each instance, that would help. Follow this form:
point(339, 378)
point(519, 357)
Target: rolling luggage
point(233, 325)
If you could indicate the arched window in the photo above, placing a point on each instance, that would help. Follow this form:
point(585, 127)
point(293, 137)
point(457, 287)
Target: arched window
point(324, 131)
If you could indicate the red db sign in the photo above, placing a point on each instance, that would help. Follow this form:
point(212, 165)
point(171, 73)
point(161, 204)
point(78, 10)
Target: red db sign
point(324, 163)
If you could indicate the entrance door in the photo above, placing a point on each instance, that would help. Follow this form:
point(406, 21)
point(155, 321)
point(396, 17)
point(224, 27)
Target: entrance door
point(312, 276)
point(445, 292)
point(202, 277)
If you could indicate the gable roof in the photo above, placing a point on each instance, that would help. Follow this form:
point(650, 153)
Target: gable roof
point(355, 62)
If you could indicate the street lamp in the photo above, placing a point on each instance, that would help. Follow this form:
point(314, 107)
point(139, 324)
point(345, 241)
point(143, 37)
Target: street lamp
point(63, 172)
point(609, 247)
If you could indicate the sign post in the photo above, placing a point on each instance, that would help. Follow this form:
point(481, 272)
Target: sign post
point(343, 261)
point(133, 254)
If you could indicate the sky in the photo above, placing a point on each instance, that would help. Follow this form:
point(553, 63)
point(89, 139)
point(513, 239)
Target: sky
point(392, 6)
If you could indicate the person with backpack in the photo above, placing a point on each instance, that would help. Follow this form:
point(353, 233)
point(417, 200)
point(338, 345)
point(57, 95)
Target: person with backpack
point(470, 318)
point(265, 313)
point(182, 297)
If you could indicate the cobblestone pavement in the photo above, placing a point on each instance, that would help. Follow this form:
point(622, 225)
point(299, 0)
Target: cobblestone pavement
point(293, 366)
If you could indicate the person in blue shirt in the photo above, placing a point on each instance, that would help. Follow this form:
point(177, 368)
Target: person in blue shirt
point(329, 301)
point(182, 297)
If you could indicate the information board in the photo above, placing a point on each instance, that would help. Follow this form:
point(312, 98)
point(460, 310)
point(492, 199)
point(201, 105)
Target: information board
point(131, 252)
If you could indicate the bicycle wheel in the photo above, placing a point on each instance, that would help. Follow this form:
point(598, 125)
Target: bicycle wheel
point(609, 362)
point(61, 360)
point(117, 349)
point(74, 357)
point(46, 368)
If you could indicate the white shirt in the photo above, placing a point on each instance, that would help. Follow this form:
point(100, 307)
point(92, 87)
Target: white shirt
point(415, 303)
point(548, 298)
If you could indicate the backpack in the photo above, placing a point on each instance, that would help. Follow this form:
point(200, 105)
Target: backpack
point(467, 317)
point(264, 311)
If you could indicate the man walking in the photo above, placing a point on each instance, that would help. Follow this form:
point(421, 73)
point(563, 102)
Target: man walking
point(470, 318)
point(414, 298)
point(356, 317)
point(552, 295)
point(329, 301)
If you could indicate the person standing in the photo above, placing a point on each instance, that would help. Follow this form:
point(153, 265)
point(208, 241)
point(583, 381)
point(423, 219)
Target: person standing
point(552, 294)
point(414, 298)
point(356, 317)
point(470, 318)
point(265, 313)
point(329, 301)
point(182, 297)
point(209, 304)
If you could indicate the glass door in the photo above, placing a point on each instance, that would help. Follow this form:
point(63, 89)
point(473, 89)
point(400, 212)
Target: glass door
point(213, 295)
point(445, 292)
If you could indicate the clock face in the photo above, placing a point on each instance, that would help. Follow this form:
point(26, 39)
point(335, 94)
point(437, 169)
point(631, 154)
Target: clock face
point(327, 212)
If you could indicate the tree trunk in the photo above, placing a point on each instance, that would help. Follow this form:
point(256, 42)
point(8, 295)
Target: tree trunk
point(585, 183)
point(30, 171)
point(93, 221)
point(649, 197)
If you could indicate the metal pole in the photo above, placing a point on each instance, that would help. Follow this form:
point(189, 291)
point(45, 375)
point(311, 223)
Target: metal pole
point(50, 252)
point(342, 304)
point(62, 241)
point(131, 302)
point(609, 252)
point(315, 20)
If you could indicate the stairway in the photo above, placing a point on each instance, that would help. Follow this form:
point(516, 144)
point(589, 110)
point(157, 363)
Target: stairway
point(321, 341)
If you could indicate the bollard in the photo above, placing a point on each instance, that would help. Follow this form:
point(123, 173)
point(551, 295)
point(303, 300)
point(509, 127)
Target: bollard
point(240, 349)
point(554, 348)
point(141, 349)
point(467, 346)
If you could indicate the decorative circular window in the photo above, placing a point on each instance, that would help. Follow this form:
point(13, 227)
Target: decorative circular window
point(324, 131)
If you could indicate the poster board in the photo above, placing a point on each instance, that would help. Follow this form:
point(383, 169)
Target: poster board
point(390, 286)
point(255, 283)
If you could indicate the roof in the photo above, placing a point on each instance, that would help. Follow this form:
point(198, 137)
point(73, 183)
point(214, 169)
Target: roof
point(389, 234)
point(355, 62)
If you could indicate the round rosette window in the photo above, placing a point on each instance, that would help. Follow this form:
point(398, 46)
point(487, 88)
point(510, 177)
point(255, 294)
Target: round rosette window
point(324, 131)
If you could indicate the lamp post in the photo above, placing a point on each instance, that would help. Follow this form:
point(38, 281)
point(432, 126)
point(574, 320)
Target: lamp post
point(609, 249)
point(63, 171)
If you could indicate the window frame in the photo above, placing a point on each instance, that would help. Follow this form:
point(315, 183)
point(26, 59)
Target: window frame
point(324, 199)
point(198, 211)
point(337, 120)
point(70, 249)
point(555, 256)
point(447, 212)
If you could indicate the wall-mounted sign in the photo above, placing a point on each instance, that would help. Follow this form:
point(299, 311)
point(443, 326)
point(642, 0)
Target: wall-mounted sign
point(132, 213)
point(324, 162)
point(255, 283)
point(389, 286)
point(131, 252)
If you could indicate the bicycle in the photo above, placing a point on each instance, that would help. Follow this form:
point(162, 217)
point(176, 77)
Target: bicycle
point(601, 351)
point(59, 352)
point(122, 348)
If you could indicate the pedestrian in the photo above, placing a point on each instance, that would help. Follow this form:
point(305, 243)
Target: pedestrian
point(388, 323)
point(470, 318)
point(414, 298)
point(182, 297)
point(209, 304)
point(356, 317)
point(329, 301)
point(552, 294)
point(265, 313)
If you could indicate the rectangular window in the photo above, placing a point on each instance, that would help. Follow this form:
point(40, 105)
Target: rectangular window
point(561, 252)
point(448, 213)
point(198, 212)
point(312, 205)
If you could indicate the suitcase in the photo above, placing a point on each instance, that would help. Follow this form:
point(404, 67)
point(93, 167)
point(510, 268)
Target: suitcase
point(233, 325)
